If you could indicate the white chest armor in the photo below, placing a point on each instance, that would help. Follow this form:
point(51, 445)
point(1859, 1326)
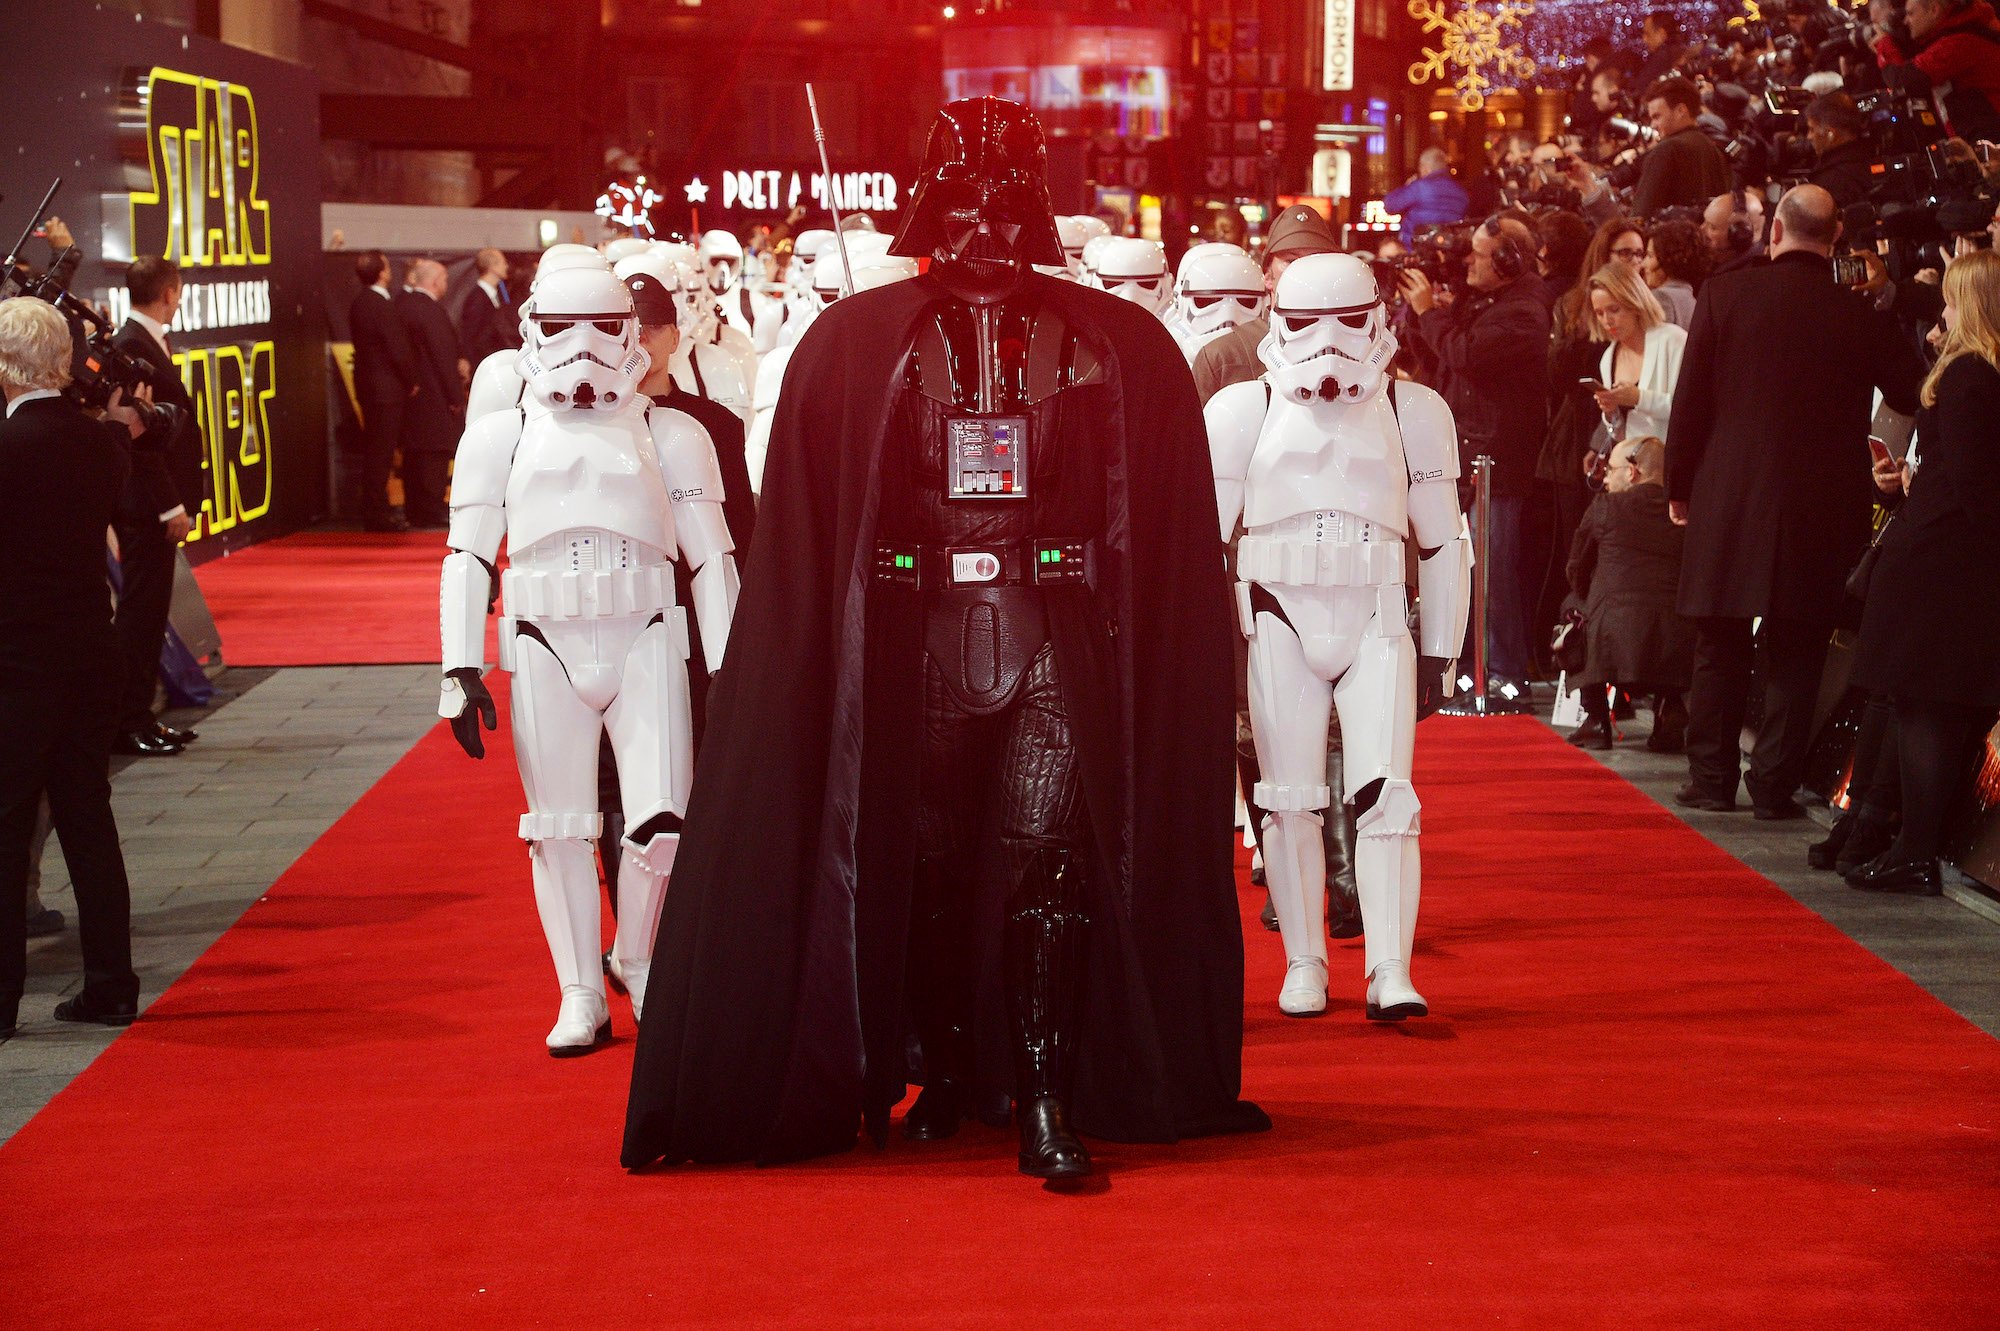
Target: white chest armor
point(709, 371)
point(1329, 457)
point(586, 473)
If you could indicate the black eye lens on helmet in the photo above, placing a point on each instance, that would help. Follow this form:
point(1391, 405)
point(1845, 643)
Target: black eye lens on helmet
point(1247, 302)
point(1150, 283)
point(1204, 302)
point(1354, 320)
point(1299, 323)
point(554, 327)
point(613, 327)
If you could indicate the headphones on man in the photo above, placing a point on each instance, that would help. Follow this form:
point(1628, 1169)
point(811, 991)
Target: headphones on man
point(1742, 229)
point(1508, 261)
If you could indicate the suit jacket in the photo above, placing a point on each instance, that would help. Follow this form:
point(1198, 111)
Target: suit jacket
point(166, 467)
point(484, 327)
point(1770, 437)
point(435, 417)
point(63, 474)
point(385, 361)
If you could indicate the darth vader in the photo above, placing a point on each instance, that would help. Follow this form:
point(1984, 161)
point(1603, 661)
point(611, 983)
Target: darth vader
point(963, 815)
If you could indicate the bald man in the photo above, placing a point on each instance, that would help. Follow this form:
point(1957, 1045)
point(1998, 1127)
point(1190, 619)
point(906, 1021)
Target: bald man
point(1768, 469)
point(435, 417)
point(487, 319)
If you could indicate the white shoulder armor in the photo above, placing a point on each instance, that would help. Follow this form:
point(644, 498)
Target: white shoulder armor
point(1235, 419)
point(1430, 451)
point(485, 460)
point(496, 385)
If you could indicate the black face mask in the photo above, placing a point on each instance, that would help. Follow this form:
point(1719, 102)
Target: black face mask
point(981, 210)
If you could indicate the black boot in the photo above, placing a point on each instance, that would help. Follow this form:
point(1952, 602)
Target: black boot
point(1343, 898)
point(1044, 961)
point(1670, 723)
point(1825, 853)
point(1870, 838)
point(940, 999)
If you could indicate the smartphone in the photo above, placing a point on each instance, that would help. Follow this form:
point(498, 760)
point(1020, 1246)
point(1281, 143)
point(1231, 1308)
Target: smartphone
point(1591, 385)
point(1849, 270)
point(1984, 150)
point(1878, 449)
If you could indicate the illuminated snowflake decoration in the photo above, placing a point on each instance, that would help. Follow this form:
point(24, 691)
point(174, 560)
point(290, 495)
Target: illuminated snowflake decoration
point(630, 205)
point(1752, 13)
point(1478, 48)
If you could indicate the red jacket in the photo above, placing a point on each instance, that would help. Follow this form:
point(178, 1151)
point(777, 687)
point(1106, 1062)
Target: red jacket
point(1964, 52)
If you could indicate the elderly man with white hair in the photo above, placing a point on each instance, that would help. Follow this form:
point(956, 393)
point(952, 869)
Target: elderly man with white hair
point(60, 671)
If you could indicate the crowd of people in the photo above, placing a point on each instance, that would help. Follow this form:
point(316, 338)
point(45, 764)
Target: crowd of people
point(1672, 327)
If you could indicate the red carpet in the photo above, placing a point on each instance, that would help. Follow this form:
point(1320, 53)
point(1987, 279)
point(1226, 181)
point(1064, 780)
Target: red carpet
point(1658, 1094)
point(329, 598)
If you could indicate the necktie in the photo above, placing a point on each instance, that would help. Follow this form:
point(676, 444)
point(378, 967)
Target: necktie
point(505, 299)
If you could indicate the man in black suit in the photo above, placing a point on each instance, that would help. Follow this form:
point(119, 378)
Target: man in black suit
point(161, 499)
point(61, 669)
point(487, 319)
point(385, 379)
point(1768, 468)
point(435, 415)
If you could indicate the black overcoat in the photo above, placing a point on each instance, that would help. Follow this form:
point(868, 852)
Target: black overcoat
point(1770, 443)
point(1931, 627)
point(1625, 564)
point(435, 417)
point(774, 1020)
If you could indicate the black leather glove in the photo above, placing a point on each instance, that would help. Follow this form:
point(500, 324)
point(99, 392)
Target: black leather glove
point(479, 709)
point(1430, 683)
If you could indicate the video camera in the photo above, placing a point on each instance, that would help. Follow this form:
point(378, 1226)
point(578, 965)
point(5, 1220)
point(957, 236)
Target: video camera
point(1439, 252)
point(97, 367)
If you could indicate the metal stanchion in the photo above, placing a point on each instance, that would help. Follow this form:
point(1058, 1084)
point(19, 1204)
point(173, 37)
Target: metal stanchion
point(1479, 700)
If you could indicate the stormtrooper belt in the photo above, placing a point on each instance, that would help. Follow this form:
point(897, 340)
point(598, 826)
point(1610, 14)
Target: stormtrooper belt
point(1038, 563)
point(595, 594)
point(1302, 563)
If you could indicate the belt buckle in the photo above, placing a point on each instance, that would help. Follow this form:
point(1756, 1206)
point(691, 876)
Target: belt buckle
point(1060, 561)
point(898, 564)
point(975, 565)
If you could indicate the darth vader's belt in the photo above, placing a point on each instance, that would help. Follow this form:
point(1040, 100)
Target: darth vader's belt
point(1038, 563)
point(1306, 563)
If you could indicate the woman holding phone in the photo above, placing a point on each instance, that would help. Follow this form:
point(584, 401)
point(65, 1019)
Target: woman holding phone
point(1634, 387)
point(1930, 639)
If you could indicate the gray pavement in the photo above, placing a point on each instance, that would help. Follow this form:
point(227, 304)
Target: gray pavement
point(207, 832)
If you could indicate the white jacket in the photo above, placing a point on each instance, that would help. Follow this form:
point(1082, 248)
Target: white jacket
point(1657, 373)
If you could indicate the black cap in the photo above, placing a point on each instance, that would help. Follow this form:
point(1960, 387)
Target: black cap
point(652, 301)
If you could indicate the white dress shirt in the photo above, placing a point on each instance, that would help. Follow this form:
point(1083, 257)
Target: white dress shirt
point(1658, 370)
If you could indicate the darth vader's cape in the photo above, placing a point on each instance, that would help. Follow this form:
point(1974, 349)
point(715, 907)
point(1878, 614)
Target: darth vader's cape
point(774, 1018)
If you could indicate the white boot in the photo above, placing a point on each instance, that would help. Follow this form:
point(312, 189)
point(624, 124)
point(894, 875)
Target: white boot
point(583, 1024)
point(1390, 995)
point(1304, 994)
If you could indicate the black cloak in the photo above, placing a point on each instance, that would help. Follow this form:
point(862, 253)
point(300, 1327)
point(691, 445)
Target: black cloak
point(774, 1018)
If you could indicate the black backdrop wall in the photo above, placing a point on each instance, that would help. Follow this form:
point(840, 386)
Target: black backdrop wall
point(174, 145)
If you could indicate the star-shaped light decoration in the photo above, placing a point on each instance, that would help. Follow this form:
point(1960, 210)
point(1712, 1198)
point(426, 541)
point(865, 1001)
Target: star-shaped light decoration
point(697, 192)
point(1475, 47)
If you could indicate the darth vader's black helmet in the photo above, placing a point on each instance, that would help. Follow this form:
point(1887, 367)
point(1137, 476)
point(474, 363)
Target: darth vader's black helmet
point(986, 162)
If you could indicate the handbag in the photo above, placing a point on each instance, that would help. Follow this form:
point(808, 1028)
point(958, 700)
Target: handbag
point(1864, 568)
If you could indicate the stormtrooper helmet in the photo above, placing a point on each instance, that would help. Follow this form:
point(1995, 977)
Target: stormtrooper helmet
point(1093, 254)
point(580, 345)
point(624, 247)
point(721, 260)
point(1136, 271)
point(1330, 336)
point(1219, 290)
point(1070, 231)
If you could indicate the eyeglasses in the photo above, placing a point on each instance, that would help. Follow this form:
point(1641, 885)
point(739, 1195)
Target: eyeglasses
point(1627, 252)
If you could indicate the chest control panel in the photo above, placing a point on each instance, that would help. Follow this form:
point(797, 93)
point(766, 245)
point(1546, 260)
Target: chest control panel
point(986, 457)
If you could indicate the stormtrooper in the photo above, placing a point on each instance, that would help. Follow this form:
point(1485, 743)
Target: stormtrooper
point(592, 493)
point(1092, 253)
point(1136, 270)
point(1216, 289)
point(496, 381)
point(1072, 235)
point(828, 285)
point(983, 671)
point(798, 284)
point(713, 362)
point(722, 268)
point(1331, 467)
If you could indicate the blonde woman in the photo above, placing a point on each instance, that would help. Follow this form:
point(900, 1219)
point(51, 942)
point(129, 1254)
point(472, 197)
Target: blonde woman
point(1929, 637)
point(1642, 358)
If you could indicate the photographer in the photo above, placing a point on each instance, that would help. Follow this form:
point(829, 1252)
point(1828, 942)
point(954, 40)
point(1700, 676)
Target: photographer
point(1491, 346)
point(61, 670)
point(164, 490)
point(1684, 169)
point(1841, 161)
point(1938, 42)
